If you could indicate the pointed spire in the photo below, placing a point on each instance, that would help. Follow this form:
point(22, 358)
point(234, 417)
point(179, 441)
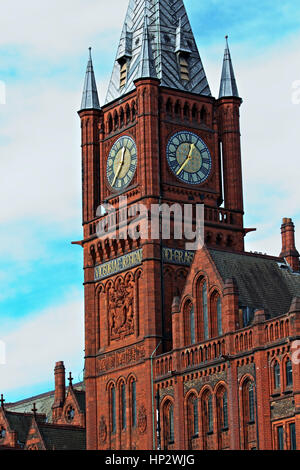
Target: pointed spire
point(154, 49)
point(2, 401)
point(228, 87)
point(70, 380)
point(146, 63)
point(34, 410)
point(90, 99)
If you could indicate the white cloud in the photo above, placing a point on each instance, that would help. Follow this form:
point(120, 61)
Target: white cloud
point(35, 343)
point(40, 161)
point(53, 29)
point(270, 140)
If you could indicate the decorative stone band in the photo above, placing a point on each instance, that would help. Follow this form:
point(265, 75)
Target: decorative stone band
point(179, 257)
point(135, 258)
point(118, 265)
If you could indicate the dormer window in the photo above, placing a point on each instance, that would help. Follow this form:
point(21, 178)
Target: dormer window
point(123, 73)
point(70, 414)
point(184, 67)
point(2, 433)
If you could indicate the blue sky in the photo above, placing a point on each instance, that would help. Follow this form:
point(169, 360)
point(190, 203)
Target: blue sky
point(43, 56)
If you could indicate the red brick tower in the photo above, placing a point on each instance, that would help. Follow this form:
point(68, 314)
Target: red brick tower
point(161, 138)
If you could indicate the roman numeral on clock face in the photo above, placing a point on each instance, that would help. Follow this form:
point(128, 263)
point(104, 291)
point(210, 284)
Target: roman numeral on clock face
point(188, 152)
point(122, 163)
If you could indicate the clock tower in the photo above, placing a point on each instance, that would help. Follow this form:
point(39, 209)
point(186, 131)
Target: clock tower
point(161, 138)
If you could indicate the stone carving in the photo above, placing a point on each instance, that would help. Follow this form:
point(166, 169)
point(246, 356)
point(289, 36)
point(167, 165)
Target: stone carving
point(142, 419)
point(120, 358)
point(121, 309)
point(102, 429)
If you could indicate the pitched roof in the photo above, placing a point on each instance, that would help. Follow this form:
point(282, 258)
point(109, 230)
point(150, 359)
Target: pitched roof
point(21, 422)
point(43, 402)
point(58, 437)
point(169, 32)
point(80, 397)
point(263, 282)
point(228, 86)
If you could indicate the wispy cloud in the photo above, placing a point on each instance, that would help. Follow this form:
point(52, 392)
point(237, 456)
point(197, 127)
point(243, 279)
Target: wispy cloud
point(34, 344)
point(43, 48)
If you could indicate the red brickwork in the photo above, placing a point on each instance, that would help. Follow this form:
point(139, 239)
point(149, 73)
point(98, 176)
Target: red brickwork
point(225, 376)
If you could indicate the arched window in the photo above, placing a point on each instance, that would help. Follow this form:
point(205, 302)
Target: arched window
point(194, 112)
point(203, 115)
point(122, 117)
point(190, 325)
point(113, 408)
point(127, 114)
point(186, 110)
point(276, 372)
point(168, 424)
point(216, 315)
point(205, 310)
point(251, 403)
point(288, 373)
point(171, 424)
point(133, 403)
point(207, 407)
point(110, 124)
point(225, 410)
point(123, 405)
point(116, 120)
point(169, 107)
point(248, 402)
point(177, 108)
point(219, 316)
point(193, 418)
point(133, 112)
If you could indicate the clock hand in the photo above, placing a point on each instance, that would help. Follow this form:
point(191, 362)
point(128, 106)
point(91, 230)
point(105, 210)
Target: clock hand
point(187, 160)
point(119, 167)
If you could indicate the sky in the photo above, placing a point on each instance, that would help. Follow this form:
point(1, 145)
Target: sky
point(43, 57)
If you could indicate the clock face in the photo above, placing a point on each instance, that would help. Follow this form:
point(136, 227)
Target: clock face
point(189, 158)
point(121, 163)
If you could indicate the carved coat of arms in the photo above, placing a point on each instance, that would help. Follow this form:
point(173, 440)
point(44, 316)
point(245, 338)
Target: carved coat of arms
point(121, 309)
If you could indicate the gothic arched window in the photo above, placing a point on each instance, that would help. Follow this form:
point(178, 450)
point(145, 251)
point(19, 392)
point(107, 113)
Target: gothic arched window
point(248, 402)
point(133, 403)
point(123, 405)
point(207, 408)
point(276, 372)
point(190, 324)
point(168, 424)
point(288, 373)
point(205, 310)
point(216, 315)
point(113, 409)
point(193, 417)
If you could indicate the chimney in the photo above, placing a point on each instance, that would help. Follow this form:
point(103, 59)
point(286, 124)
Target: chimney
point(60, 390)
point(289, 251)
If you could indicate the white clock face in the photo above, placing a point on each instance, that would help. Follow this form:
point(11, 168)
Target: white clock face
point(189, 158)
point(121, 163)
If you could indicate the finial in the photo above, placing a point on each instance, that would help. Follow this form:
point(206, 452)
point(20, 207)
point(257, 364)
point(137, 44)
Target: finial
point(90, 52)
point(70, 380)
point(2, 401)
point(34, 410)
